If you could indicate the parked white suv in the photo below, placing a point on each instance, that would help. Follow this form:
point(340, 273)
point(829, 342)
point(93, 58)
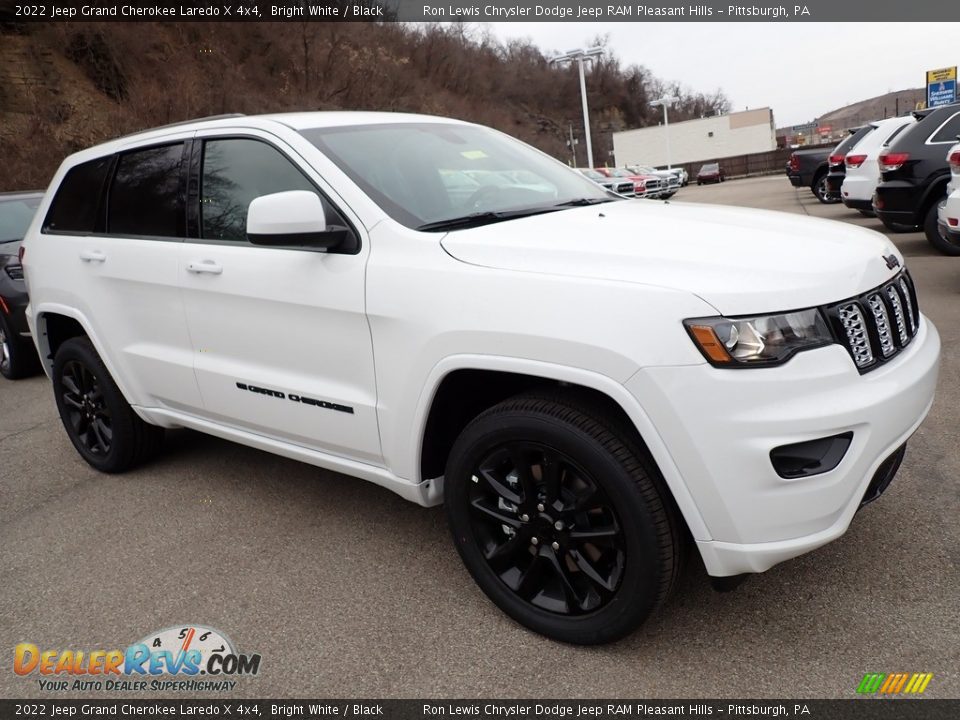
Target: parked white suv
point(862, 171)
point(948, 213)
point(586, 381)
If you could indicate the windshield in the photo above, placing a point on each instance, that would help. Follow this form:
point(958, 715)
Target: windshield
point(422, 174)
point(15, 217)
point(620, 172)
point(709, 168)
point(593, 175)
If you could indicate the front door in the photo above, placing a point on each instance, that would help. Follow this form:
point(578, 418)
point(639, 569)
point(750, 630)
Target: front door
point(281, 342)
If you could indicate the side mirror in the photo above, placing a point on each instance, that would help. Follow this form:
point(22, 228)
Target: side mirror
point(293, 218)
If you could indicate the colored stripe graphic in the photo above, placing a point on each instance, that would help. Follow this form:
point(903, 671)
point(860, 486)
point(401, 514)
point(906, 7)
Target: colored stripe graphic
point(894, 683)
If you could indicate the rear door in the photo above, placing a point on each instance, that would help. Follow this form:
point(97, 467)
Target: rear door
point(281, 340)
point(115, 229)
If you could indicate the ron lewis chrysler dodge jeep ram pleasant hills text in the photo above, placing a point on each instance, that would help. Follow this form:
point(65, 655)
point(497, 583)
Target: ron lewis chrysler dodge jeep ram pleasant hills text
point(590, 384)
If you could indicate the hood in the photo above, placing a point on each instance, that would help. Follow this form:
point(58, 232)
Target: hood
point(739, 260)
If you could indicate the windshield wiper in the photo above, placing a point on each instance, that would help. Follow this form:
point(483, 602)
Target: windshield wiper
point(485, 218)
point(580, 202)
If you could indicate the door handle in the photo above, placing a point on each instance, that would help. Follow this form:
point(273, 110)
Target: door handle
point(92, 256)
point(207, 266)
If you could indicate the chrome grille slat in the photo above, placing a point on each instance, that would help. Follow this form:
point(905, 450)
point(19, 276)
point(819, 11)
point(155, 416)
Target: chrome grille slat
point(898, 317)
point(906, 299)
point(852, 319)
point(882, 323)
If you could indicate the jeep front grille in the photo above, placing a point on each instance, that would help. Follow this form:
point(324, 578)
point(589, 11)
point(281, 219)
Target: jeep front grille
point(877, 325)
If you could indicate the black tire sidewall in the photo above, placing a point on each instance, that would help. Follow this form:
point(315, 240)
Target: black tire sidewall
point(21, 362)
point(121, 414)
point(637, 595)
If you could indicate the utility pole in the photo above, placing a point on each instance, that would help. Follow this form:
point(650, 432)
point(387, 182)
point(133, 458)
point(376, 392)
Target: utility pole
point(665, 102)
point(581, 55)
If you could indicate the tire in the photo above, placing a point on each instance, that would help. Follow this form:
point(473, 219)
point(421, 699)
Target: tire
point(100, 423)
point(18, 357)
point(822, 192)
point(525, 540)
point(933, 233)
point(897, 227)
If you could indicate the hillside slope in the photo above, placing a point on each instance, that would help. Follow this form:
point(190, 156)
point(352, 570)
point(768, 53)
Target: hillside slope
point(64, 87)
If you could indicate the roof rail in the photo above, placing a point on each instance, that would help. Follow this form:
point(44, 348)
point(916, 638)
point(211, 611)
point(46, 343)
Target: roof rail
point(182, 122)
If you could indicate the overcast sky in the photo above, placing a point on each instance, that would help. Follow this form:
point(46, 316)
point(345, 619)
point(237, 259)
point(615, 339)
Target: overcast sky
point(801, 70)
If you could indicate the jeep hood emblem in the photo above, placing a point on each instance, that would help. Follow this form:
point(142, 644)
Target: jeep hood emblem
point(891, 261)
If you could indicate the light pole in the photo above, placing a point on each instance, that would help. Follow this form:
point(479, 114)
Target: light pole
point(666, 102)
point(580, 55)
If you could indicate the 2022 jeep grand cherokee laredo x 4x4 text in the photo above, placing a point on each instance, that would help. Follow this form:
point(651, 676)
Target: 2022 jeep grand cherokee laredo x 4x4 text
point(586, 381)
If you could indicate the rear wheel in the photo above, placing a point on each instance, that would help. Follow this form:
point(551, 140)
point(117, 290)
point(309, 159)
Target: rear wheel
point(932, 232)
point(18, 358)
point(821, 190)
point(561, 520)
point(100, 423)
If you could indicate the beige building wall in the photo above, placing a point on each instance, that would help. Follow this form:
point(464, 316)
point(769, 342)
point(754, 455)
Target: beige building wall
point(740, 133)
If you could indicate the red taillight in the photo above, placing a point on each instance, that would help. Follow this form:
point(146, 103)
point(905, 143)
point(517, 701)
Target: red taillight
point(835, 160)
point(892, 161)
point(794, 163)
point(955, 161)
point(953, 221)
point(855, 161)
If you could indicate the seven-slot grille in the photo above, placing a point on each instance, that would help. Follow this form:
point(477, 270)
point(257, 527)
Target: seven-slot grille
point(877, 325)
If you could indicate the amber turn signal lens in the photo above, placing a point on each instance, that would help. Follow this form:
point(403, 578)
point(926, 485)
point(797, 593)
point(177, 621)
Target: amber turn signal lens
point(710, 344)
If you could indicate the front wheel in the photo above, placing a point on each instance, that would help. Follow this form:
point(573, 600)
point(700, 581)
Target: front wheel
point(561, 520)
point(100, 423)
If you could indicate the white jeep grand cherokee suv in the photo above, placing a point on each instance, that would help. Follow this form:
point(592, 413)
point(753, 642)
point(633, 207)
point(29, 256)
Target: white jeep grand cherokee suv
point(588, 382)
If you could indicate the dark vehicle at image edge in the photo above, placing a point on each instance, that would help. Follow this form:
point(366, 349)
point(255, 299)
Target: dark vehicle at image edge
point(914, 175)
point(17, 355)
point(837, 168)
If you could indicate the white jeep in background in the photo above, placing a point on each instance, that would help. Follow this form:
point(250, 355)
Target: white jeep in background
point(589, 383)
point(948, 213)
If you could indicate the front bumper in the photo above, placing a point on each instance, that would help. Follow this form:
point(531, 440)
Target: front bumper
point(720, 426)
point(854, 204)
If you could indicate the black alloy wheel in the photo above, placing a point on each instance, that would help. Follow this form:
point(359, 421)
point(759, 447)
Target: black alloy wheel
point(562, 518)
point(99, 421)
point(546, 528)
point(86, 408)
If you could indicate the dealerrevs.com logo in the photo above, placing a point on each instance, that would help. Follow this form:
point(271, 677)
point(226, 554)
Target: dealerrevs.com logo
point(188, 658)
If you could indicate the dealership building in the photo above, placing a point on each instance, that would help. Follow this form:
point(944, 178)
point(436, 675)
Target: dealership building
point(711, 138)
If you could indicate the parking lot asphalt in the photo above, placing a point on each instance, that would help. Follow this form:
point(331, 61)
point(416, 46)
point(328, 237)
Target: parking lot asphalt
point(348, 591)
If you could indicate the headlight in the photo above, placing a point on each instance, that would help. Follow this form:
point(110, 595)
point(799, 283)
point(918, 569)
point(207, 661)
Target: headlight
point(758, 341)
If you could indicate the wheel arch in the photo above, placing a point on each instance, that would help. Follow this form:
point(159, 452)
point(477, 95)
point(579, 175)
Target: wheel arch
point(492, 380)
point(935, 189)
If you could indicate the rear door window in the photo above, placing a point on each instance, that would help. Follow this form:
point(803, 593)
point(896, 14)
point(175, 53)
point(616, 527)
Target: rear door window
point(948, 131)
point(74, 207)
point(145, 198)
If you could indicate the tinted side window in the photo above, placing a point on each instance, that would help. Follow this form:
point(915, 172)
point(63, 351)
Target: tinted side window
point(74, 207)
point(145, 193)
point(948, 133)
point(235, 172)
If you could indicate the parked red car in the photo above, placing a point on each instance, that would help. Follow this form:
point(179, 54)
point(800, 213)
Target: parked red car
point(710, 173)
